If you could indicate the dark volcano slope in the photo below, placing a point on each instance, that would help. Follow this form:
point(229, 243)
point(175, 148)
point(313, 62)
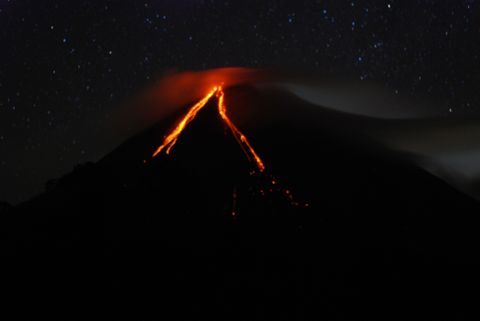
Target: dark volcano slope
point(380, 239)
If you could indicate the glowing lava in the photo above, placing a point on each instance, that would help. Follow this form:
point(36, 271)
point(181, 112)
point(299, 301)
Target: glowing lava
point(242, 140)
point(172, 138)
point(271, 185)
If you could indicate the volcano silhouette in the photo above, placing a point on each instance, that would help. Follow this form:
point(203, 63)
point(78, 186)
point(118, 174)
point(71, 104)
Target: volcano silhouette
point(194, 234)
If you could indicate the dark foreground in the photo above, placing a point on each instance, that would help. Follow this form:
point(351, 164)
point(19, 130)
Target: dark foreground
point(379, 240)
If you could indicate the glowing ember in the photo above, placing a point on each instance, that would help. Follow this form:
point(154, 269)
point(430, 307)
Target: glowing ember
point(234, 202)
point(242, 140)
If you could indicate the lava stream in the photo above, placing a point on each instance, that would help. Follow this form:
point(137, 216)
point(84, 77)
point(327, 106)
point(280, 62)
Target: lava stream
point(242, 140)
point(172, 138)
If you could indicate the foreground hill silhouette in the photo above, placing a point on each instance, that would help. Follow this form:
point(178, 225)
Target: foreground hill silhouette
point(372, 237)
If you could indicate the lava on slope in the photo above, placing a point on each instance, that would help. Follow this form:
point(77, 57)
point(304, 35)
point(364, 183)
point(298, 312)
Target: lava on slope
point(242, 140)
point(171, 139)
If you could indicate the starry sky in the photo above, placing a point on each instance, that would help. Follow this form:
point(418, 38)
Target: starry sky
point(67, 66)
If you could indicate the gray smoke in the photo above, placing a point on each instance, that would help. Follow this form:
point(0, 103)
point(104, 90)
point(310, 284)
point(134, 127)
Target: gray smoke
point(427, 135)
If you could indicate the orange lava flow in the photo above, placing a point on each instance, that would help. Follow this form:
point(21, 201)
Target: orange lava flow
point(239, 136)
point(242, 140)
point(172, 138)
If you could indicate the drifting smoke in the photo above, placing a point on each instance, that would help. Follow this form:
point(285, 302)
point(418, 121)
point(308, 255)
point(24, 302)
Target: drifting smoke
point(414, 130)
point(419, 132)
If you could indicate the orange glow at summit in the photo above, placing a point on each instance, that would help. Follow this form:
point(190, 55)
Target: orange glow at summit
point(171, 139)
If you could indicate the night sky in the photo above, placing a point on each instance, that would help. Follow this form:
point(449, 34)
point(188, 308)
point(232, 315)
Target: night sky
point(67, 66)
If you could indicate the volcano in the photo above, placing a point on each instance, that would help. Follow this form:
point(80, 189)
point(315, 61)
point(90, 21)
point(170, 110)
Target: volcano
point(190, 219)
